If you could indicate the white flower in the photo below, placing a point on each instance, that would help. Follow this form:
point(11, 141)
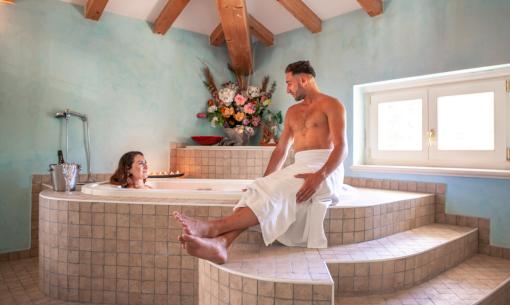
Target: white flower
point(226, 95)
point(212, 109)
point(214, 121)
point(253, 91)
point(250, 131)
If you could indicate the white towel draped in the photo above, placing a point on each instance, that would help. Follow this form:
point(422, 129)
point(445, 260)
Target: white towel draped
point(273, 200)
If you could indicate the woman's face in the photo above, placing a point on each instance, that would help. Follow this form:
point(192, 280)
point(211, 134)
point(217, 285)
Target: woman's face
point(139, 169)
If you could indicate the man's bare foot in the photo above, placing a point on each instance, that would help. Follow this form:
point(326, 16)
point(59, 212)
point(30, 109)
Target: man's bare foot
point(181, 240)
point(195, 227)
point(211, 249)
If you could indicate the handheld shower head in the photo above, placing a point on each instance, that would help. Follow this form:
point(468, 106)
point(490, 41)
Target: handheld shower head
point(66, 114)
point(61, 114)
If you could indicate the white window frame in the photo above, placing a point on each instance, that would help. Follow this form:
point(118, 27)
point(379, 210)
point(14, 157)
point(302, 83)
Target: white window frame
point(473, 159)
point(375, 156)
point(366, 159)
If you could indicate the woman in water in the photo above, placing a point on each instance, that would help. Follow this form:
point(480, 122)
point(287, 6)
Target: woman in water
point(132, 171)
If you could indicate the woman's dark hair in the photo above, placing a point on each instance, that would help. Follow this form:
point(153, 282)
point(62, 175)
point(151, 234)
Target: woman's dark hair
point(302, 66)
point(121, 175)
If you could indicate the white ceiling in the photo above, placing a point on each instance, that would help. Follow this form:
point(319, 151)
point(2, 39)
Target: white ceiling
point(201, 15)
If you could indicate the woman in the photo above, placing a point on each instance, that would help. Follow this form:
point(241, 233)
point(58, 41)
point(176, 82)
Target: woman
point(132, 171)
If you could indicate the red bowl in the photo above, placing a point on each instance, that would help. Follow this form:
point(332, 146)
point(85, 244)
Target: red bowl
point(206, 140)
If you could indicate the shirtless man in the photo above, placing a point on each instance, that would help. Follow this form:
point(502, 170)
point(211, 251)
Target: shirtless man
point(285, 201)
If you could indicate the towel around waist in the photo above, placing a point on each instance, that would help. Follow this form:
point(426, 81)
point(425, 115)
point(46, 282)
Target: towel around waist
point(312, 155)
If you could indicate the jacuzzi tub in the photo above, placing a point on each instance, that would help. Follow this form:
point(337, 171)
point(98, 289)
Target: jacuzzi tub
point(219, 189)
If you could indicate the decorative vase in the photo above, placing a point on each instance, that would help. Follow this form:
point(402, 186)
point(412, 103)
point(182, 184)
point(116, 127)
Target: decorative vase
point(235, 138)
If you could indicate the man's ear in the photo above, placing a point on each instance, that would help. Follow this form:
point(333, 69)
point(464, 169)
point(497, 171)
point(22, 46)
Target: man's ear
point(304, 79)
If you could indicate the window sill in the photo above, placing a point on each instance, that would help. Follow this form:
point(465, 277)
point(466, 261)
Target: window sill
point(435, 171)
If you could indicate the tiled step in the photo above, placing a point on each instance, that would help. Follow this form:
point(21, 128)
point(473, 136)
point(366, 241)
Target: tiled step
point(480, 280)
point(398, 261)
point(420, 253)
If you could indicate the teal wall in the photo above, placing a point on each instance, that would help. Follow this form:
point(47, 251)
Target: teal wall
point(140, 91)
point(411, 38)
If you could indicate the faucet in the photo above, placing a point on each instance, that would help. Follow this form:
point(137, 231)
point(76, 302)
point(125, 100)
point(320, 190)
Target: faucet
point(67, 114)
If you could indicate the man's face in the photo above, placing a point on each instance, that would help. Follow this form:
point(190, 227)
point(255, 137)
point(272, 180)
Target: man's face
point(295, 86)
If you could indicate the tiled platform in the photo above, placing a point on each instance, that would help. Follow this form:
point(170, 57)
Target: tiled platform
point(307, 265)
point(98, 249)
point(387, 264)
point(473, 282)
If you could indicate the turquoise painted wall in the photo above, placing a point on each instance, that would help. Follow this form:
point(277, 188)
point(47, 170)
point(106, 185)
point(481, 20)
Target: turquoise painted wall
point(140, 91)
point(411, 38)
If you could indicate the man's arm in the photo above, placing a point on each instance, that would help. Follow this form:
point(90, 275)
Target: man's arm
point(280, 152)
point(338, 134)
point(336, 124)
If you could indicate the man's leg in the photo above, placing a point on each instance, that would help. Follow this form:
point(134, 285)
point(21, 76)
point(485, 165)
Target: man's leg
point(212, 249)
point(241, 219)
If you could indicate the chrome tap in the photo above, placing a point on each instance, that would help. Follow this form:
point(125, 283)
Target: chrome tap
point(67, 114)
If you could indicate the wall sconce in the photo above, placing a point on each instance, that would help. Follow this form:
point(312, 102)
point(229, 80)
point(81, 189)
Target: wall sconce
point(7, 1)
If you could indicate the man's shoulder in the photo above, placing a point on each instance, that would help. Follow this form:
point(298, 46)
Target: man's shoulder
point(328, 102)
point(293, 108)
point(327, 99)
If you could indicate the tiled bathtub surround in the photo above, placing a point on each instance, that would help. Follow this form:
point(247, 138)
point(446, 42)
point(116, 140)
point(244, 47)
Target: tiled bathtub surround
point(353, 225)
point(222, 162)
point(118, 252)
point(102, 249)
point(439, 190)
point(224, 288)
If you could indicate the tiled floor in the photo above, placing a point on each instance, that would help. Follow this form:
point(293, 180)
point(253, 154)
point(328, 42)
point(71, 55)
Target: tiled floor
point(307, 265)
point(19, 284)
point(458, 286)
point(463, 285)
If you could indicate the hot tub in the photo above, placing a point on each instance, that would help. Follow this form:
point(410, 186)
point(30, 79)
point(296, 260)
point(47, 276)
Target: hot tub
point(220, 189)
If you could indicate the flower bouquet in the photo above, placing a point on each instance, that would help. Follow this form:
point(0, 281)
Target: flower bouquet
point(236, 107)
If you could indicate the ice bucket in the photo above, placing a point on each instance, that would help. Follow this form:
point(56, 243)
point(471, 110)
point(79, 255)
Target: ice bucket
point(58, 177)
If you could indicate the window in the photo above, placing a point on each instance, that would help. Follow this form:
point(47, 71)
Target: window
point(441, 124)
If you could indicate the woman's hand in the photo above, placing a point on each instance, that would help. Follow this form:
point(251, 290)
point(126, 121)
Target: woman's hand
point(310, 186)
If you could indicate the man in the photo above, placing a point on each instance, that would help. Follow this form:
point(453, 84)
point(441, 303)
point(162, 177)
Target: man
point(289, 204)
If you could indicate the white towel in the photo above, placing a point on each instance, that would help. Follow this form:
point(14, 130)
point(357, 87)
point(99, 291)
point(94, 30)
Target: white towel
point(273, 200)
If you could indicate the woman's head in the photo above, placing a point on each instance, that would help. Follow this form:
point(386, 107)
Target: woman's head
point(132, 169)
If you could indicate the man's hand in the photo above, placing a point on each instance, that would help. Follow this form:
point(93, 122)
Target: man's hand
point(310, 186)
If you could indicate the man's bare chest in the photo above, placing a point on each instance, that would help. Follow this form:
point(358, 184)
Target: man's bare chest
point(303, 120)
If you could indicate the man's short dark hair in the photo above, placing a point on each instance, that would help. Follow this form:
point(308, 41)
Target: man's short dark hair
point(302, 66)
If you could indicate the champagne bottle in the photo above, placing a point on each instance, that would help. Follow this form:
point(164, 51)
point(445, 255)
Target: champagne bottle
point(60, 157)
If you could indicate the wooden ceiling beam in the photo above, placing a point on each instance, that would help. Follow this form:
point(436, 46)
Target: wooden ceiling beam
point(217, 37)
point(260, 31)
point(168, 15)
point(94, 9)
point(372, 7)
point(304, 14)
point(234, 21)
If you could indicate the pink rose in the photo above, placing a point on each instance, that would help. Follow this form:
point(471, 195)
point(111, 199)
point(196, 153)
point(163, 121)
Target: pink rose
point(249, 108)
point(255, 121)
point(240, 100)
point(246, 122)
point(201, 115)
